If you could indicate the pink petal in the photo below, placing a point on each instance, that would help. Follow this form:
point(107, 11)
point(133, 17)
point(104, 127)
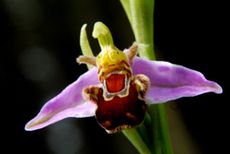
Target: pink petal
point(170, 82)
point(69, 103)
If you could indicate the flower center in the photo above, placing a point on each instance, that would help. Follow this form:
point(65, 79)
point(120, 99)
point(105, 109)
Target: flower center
point(115, 83)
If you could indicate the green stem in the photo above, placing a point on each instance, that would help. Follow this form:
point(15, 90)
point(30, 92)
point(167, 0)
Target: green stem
point(140, 15)
point(154, 131)
point(126, 6)
point(135, 138)
point(167, 148)
point(142, 25)
point(160, 132)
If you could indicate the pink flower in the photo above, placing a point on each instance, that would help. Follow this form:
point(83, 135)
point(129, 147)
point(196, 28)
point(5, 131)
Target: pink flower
point(118, 99)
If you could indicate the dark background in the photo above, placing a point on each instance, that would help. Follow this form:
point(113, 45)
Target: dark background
point(39, 41)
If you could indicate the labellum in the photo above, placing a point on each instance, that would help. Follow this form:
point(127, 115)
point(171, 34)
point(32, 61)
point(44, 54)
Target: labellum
point(120, 99)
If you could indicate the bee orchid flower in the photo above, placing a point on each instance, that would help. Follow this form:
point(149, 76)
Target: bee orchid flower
point(120, 86)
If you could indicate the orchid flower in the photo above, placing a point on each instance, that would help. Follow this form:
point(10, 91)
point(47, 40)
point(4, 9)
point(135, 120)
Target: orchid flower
point(119, 87)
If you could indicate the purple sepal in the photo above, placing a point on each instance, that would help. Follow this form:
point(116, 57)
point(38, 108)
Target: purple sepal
point(69, 103)
point(170, 81)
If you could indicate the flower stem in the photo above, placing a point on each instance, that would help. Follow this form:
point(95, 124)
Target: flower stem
point(135, 138)
point(126, 6)
point(167, 148)
point(154, 131)
point(160, 132)
point(140, 15)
